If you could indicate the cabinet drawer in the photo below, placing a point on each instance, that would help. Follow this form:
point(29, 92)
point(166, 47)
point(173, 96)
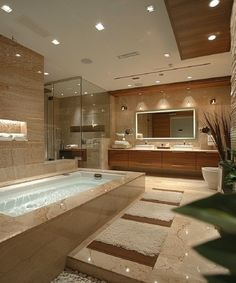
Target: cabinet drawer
point(145, 159)
point(119, 158)
point(207, 159)
point(179, 160)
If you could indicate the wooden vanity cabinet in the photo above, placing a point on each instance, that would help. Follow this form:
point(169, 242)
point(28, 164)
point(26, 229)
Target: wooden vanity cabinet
point(118, 158)
point(207, 159)
point(181, 160)
point(145, 159)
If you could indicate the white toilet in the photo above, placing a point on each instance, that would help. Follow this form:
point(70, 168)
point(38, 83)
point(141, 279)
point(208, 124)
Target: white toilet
point(210, 175)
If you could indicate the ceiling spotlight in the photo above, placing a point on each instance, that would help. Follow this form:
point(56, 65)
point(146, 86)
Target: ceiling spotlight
point(129, 85)
point(214, 3)
point(157, 82)
point(150, 8)
point(76, 92)
point(18, 55)
point(39, 72)
point(189, 77)
point(62, 94)
point(55, 42)
point(99, 26)
point(46, 74)
point(6, 8)
point(167, 55)
point(85, 92)
point(212, 37)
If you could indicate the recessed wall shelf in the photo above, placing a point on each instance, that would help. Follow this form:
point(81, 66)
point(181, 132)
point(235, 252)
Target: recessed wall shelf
point(11, 130)
point(90, 128)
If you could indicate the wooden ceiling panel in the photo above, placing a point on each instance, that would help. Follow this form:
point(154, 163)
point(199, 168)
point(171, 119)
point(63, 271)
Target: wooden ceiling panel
point(193, 21)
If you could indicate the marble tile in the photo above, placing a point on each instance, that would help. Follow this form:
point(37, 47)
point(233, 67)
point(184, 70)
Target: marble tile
point(34, 246)
point(177, 262)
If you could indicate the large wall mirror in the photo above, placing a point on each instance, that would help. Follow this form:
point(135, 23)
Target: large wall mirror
point(166, 124)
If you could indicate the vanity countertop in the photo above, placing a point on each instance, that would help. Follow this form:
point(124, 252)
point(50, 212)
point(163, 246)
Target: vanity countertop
point(169, 149)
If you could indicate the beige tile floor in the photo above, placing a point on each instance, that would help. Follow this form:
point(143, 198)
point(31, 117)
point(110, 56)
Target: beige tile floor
point(177, 263)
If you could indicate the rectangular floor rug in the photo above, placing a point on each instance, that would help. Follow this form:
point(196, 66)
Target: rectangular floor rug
point(163, 196)
point(130, 240)
point(153, 213)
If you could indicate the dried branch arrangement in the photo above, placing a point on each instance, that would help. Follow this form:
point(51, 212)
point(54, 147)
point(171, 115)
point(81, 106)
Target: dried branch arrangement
point(219, 123)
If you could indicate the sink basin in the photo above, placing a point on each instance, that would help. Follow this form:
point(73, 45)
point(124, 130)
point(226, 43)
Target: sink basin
point(145, 146)
point(182, 147)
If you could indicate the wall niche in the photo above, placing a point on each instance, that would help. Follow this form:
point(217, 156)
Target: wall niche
point(11, 130)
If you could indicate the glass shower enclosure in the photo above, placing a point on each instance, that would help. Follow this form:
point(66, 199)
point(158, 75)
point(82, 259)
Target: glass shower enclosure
point(77, 122)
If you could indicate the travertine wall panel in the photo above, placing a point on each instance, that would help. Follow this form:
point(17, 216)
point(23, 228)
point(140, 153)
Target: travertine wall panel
point(198, 98)
point(233, 77)
point(21, 99)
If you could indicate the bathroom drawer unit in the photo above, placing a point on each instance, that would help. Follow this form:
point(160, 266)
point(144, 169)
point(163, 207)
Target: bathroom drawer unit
point(207, 159)
point(118, 158)
point(179, 160)
point(145, 159)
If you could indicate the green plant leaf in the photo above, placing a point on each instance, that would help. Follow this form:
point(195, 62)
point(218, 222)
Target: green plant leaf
point(219, 210)
point(221, 278)
point(221, 251)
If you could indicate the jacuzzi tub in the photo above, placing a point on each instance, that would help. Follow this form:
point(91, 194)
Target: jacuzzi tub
point(20, 199)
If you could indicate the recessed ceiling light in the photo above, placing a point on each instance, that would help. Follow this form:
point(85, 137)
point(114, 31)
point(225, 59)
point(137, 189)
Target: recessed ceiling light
point(18, 55)
point(62, 94)
point(150, 8)
point(46, 74)
point(85, 92)
point(76, 92)
point(214, 3)
point(55, 42)
point(212, 37)
point(189, 77)
point(158, 82)
point(167, 55)
point(78, 84)
point(129, 85)
point(39, 72)
point(6, 8)
point(99, 26)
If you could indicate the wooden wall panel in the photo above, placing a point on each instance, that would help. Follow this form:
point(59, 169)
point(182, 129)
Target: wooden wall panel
point(173, 87)
point(22, 98)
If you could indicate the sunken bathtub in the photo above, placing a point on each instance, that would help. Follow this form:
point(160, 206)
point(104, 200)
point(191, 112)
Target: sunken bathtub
point(43, 220)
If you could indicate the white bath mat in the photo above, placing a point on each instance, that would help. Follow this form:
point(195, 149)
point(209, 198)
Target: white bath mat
point(165, 197)
point(155, 213)
point(143, 238)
